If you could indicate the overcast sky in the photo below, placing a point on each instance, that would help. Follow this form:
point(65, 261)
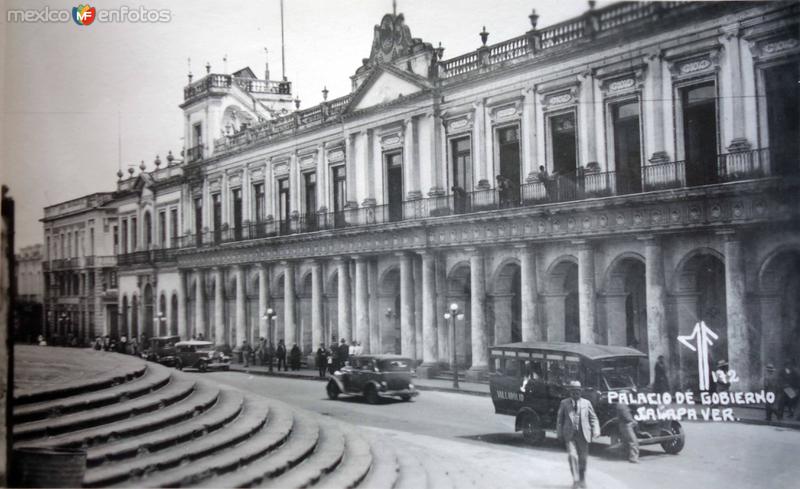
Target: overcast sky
point(69, 87)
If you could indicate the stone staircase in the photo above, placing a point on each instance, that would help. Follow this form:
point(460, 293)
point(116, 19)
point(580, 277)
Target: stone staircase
point(148, 426)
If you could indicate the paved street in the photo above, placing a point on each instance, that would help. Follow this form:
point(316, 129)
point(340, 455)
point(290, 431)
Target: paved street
point(716, 455)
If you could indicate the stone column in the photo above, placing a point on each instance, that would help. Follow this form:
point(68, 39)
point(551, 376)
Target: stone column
point(410, 163)
point(656, 293)
point(586, 292)
point(407, 313)
point(240, 321)
point(343, 296)
point(263, 300)
point(362, 303)
point(317, 336)
point(182, 332)
point(374, 308)
point(219, 304)
point(480, 165)
point(731, 89)
point(477, 282)
point(529, 169)
point(417, 306)
point(655, 142)
point(200, 304)
point(442, 338)
point(740, 355)
point(429, 343)
point(532, 329)
point(289, 327)
point(586, 122)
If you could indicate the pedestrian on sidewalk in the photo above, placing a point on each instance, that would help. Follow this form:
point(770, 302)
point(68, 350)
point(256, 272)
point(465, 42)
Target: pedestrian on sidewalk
point(772, 384)
point(294, 357)
point(270, 354)
point(322, 360)
point(790, 388)
point(344, 354)
point(660, 379)
point(576, 425)
point(626, 428)
point(246, 352)
point(281, 354)
point(331, 359)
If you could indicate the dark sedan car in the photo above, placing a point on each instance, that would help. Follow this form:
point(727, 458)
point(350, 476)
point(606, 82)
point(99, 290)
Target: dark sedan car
point(162, 350)
point(374, 376)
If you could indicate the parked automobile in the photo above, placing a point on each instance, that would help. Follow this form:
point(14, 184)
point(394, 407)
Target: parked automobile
point(162, 350)
point(201, 355)
point(532, 378)
point(374, 376)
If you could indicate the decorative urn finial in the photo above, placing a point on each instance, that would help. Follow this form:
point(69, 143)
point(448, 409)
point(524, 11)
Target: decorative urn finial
point(484, 35)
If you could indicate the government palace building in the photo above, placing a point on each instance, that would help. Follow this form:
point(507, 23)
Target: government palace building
point(616, 178)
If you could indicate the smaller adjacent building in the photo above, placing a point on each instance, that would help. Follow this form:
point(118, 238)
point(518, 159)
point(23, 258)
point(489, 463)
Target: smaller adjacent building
point(79, 267)
point(30, 293)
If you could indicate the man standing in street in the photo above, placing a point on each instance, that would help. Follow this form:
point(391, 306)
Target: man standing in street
point(344, 353)
point(270, 354)
point(625, 425)
point(576, 425)
point(661, 381)
point(322, 360)
point(246, 352)
point(772, 384)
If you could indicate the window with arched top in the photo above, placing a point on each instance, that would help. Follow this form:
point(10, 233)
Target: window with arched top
point(148, 229)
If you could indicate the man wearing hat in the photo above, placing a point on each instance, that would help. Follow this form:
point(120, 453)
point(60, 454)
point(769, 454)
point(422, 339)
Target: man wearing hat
point(772, 384)
point(576, 425)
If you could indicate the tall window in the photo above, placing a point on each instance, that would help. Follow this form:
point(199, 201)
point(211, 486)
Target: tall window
point(91, 241)
point(198, 220)
point(115, 232)
point(162, 229)
point(69, 245)
point(699, 106)
point(197, 134)
point(148, 230)
point(508, 151)
point(310, 204)
point(283, 204)
point(461, 155)
point(627, 146)
point(783, 106)
point(47, 249)
point(124, 236)
point(216, 201)
point(236, 197)
point(339, 194)
point(564, 144)
point(134, 234)
point(173, 222)
point(260, 202)
point(394, 185)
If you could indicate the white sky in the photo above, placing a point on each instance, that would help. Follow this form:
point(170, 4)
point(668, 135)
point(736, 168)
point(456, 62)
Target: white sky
point(66, 85)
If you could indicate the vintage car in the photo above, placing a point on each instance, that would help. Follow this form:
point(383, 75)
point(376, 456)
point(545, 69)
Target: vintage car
point(531, 379)
point(162, 350)
point(201, 355)
point(374, 376)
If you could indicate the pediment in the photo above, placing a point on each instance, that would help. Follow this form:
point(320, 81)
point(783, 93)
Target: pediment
point(384, 86)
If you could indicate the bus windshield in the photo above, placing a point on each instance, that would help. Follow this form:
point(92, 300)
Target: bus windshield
point(620, 373)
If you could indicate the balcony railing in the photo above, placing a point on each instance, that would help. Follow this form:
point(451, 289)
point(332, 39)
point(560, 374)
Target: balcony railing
point(194, 153)
point(222, 82)
point(547, 189)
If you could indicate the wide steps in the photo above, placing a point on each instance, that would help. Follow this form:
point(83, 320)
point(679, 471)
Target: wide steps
point(385, 468)
point(411, 472)
point(260, 429)
point(200, 397)
point(326, 456)
point(228, 406)
point(169, 394)
point(354, 466)
point(118, 375)
point(298, 445)
point(152, 379)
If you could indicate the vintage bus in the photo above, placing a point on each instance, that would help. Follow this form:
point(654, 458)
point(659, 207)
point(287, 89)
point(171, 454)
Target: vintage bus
point(531, 379)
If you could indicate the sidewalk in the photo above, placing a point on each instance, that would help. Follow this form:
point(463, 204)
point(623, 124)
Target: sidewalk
point(748, 415)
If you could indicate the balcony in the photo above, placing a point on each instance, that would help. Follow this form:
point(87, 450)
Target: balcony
point(581, 185)
point(195, 153)
point(148, 257)
point(215, 82)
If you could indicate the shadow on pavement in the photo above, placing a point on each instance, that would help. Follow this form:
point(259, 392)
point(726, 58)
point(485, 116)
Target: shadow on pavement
point(601, 450)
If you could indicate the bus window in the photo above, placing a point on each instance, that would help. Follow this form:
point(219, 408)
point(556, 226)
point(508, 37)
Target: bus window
point(533, 370)
point(555, 372)
point(511, 367)
point(572, 372)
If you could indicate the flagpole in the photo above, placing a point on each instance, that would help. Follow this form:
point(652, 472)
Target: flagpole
point(283, 51)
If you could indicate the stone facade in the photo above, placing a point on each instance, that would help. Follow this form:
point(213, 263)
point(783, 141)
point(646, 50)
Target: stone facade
point(562, 186)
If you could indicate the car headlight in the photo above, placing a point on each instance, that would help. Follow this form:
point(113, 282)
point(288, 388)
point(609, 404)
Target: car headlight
point(410, 386)
point(383, 383)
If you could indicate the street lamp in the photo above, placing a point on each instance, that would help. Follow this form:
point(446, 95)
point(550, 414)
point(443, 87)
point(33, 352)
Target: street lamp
point(161, 324)
point(269, 316)
point(452, 315)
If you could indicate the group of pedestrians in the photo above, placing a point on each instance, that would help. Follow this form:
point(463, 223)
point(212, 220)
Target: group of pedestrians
point(330, 359)
point(785, 385)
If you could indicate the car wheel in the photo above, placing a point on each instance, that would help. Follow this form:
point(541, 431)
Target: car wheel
point(333, 390)
point(203, 367)
point(371, 395)
point(673, 447)
point(531, 431)
point(405, 397)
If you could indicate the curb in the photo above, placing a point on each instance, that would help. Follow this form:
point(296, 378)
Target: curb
point(764, 422)
point(321, 379)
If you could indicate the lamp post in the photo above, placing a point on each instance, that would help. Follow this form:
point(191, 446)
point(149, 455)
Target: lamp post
point(269, 316)
point(161, 324)
point(452, 315)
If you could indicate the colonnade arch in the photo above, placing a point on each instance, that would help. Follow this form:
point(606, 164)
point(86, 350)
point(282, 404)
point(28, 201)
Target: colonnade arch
point(779, 294)
point(458, 292)
point(562, 310)
point(506, 302)
point(389, 304)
